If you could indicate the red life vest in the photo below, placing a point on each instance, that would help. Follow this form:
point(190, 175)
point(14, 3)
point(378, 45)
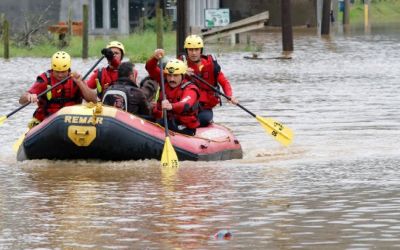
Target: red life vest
point(66, 94)
point(208, 70)
point(106, 77)
point(188, 116)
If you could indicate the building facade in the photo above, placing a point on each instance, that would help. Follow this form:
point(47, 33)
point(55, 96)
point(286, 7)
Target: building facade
point(108, 17)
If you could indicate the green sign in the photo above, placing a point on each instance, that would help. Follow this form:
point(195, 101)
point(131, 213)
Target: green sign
point(216, 17)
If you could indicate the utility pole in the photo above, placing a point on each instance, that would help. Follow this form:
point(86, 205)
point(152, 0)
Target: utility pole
point(326, 17)
point(181, 27)
point(287, 32)
point(346, 12)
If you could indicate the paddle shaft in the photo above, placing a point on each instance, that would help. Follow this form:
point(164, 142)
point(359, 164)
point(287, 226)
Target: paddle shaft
point(274, 128)
point(219, 92)
point(169, 158)
point(55, 86)
point(164, 98)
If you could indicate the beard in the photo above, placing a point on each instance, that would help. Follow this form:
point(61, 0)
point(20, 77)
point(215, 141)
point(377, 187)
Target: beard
point(173, 84)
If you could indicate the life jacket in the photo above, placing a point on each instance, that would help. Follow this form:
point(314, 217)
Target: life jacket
point(66, 94)
point(209, 71)
point(104, 80)
point(188, 116)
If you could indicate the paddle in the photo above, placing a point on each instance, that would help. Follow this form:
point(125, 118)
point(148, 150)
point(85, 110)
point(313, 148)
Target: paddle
point(5, 117)
point(281, 133)
point(22, 137)
point(18, 142)
point(168, 158)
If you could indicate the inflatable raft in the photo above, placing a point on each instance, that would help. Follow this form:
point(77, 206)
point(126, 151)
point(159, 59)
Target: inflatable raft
point(91, 131)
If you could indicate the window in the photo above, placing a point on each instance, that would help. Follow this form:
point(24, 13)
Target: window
point(114, 13)
point(98, 10)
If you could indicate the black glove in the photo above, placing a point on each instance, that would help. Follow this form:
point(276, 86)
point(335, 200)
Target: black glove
point(107, 52)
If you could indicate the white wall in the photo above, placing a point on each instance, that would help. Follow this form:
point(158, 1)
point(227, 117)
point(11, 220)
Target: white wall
point(123, 18)
point(196, 13)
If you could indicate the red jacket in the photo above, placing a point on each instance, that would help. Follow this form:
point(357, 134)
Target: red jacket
point(66, 94)
point(184, 99)
point(210, 71)
point(153, 69)
point(106, 78)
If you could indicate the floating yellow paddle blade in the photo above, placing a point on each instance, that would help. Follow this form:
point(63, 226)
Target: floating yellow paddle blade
point(18, 142)
point(169, 158)
point(2, 119)
point(281, 133)
point(276, 129)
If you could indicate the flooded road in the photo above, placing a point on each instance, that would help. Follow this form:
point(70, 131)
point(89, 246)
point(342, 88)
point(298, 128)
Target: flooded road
point(336, 187)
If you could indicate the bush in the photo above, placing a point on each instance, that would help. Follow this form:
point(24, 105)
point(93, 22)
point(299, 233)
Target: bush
point(150, 24)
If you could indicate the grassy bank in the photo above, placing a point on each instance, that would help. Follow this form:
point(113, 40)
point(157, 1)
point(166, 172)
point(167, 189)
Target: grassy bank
point(138, 46)
point(380, 12)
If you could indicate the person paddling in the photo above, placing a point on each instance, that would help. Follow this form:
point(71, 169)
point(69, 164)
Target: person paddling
point(182, 96)
point(69, 93)
point(206, 67)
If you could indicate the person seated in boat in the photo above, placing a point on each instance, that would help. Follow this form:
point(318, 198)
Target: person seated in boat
point(104, 77)
point(150, 89)
point(66, 94)
point(125, 94)
point(206, 67)
point(181, 100)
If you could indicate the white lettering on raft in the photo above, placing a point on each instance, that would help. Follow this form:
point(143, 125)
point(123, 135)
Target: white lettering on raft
point(82, 119)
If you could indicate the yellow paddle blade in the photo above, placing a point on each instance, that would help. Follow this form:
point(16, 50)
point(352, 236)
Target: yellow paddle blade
point(2, 119)
point(281, 133)
point(169, 158)
point(18, 142)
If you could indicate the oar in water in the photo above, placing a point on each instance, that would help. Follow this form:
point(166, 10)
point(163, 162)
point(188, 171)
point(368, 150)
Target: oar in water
point(5, 117)
point(169, 158)
point(280, 132)
point(22, 137)
point(18, 142)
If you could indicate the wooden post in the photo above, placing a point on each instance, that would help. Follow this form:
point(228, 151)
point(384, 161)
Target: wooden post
point(6, 39)
point(346, 12)
point(85, 35)
point(159, 25)
point(181, 27)
point(2, 18)
point(366, 13)
point(69, 29)
point(326, 17)
point(69, 22)
point(287, 32)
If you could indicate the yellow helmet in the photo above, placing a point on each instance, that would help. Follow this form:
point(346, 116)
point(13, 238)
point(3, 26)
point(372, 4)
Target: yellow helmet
point(116, 44)
point(175, 67)
point(61, 61)
point(193, 42)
